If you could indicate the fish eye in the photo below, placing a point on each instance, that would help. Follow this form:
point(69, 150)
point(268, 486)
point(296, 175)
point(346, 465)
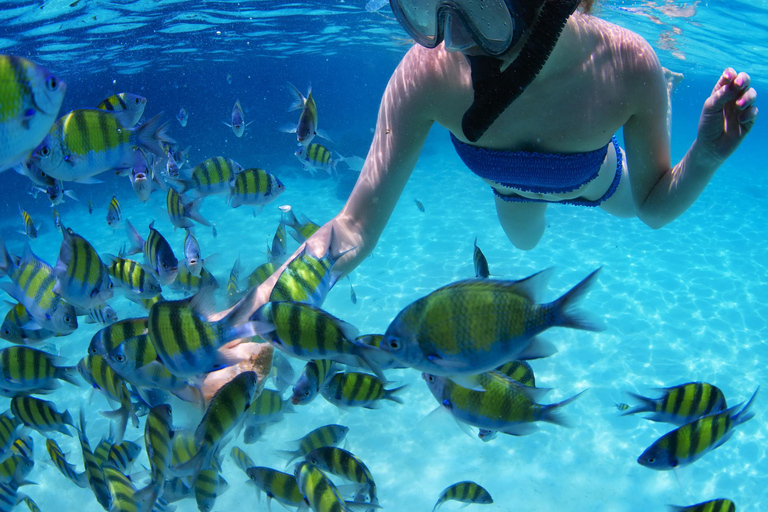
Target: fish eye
point(165, 267)
point(430, 378)
point(120, 358)
point(111, 285)
point(393, 343)
point(45, 151)
point(67, 319)
point(7, 331)
point(673, 464)
point(52, 83)
point(651, 460)
point(137, 101)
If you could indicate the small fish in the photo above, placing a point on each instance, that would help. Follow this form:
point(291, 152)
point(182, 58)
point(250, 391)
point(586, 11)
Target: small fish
point(182, 117)
point(214, 232)
point(105, 340)
point(9, 496)
point(343, 463)
point(56, 218)
point(352, 294)
point(29, 226)
point(481, 324)
point(300, 229)
point(316, 157)
point(681, 404)
point(481, 264)
point(209, 485)
point(318, 490)
point(132, 103)
point(255, 187)
point(192, 259)
point(719, 505)
point(689, 443)
point(279, 247)
point(327, 435)
point(282, 372)
point(419, 205)
point(182, 213)
point(114, 213)
point(268, 407)
point(102, 314)
point(121, 490)
point(212, 176)
point(15, 469)
point(242, 459)
point(32, 284)
point(25, 370)
point(233, 287)
point(81, 277)
point(158, 434)
point(238, 120)
point(131, 277)
point(621, 406)
point(141, 180)
point(68, 470)
point(188, 283)
point(501, 404)
point(519, 371)
point(229, 79)
point(261, 273)
point(253, 433)
point(355, 389)
point(276, 485)
point(8, 434)
point(123, 455)
point(306, 129)
point(312, 378)
point(187, 342)
point(24, 446)
point(171, 166)
point(56, 193)
point(40, 415)
point(90, 207)
point(30, 99)
point(465, 492)
point(93, 468)
point(87, 142)
point(158, 254)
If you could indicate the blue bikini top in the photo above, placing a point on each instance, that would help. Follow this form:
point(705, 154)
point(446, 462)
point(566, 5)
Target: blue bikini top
point(530, 171)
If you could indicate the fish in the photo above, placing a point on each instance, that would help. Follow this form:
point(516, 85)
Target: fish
point(622, 406)
point(192, 258)
point(212, 176)
point(308, 333)
point(32, 284)
point(13, 328)
point(9, 496)
point(267, 407)
point(312, 378)
point(501, 404)
point(8, 434)
point(171, 166)
point(25, 370)
point(182, 117)
point(718, 505)
point(233, 286)
point(209, 485)
point(106, 339)
point(355, 389)
point(308, 279)
point(300, 229)
point(141, 181)
point(238, 120)
point(56, 193)
point(131, 277)
point(60, 461)
point(261, 273)
point(689, 443)
point(214, 232)
point(475, 325)
point(229, 79)
point(255, 187)
point(282, 372)
point(306, 129)
point(81, 277)
point(114, 213)
point(519, 371)
point(327, 435)
point(24, 445)
point(419, 205)
point(90, 207)
point(29, 226)
point(182, 213)
point(94, 473)
point(187, 342)
point(352, 294)
point(316, 157)
point(278, 249)
point(481, 264)
point(187, 282)
point(102, 314)
point(345, 464)
point(277, 485)
point(681, 404)
point(465, 492)
point(56, 218)
point(158, 254)
point(40, 415)
point(15, 469)
point(87, 142)
point(123, 455)
point(126, 101)
point(30, 99)
point(242, 459)
point(158, 434)
point(319, 491)
point(29, 502)
point(121, 490)
point(382, 359)
point(225, 413)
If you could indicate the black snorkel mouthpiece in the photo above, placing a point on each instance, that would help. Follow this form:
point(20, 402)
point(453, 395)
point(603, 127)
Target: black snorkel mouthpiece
point(495, 90)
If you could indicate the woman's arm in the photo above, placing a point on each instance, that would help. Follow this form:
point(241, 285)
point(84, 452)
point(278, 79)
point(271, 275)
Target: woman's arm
point(661, 192)
point(402, 127)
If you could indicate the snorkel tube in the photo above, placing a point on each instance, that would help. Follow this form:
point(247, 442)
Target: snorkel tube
point(495, 90)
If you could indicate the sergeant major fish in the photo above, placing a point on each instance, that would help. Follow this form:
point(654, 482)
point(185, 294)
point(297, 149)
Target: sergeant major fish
point(465, 492)
point(212, 176)
point(29, 225)
point(306, 129)
point(681, 404)
point(126, 101)
point(81, 277)
point(255, 187)
point(182, 117)
point(238, 120)
point(114, 213)
point(301, 229)
point(181, 213)
point(158, 254)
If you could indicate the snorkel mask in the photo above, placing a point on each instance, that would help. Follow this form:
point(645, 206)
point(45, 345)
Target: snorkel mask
point(495, 26)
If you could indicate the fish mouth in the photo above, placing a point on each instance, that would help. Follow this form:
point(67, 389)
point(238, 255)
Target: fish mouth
point(140, 176)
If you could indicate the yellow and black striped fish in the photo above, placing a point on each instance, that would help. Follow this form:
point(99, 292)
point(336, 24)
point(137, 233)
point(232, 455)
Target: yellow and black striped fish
point(306, 129)
point(40, 415)
point(327, 435)
point(261, 274)
point(121, 490)
point(66, 469)
point(8, 425)
point(29, 226)
point(318, 490)
point(255, 187)
point(105, 340)
point(114, 213)
point(317, 157)
point(465, 492)
point(276, 484)
point(126, 101)
point(355, 389)
point(15, 469)
point(158, 432)
point(13, 328)
point(689, 443)
point(242, 460)
point(520, 371)
point(268, 407)
point(24, 446)
point(122, 455)
point(681, 404)
point(718, 505)
point(187, 282)
point(213, 176)
point(81, 277)
point(131, 277)
point(158, 254)
point(233, 285)
point(27, 370)
point(93, 468)
point(182, 213)
point(209, 485)
point(343, 463)
point(301, 228)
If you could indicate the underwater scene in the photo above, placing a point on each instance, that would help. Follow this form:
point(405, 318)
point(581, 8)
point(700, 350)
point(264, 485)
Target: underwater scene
point(136, 373)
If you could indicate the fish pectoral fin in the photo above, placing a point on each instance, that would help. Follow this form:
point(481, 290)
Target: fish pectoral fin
point(537, 349)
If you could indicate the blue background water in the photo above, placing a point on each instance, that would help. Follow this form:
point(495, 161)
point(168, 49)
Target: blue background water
point(680, 304)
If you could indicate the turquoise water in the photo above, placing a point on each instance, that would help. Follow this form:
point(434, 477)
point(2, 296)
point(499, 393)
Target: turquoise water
point(684, 303)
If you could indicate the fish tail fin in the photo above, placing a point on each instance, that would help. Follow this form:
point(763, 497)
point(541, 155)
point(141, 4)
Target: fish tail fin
point(120, 416)
point(289, 219)
point(147, 496)
point(137, 243)
point(298, 98)
point(193, 212)
point(69, 374)
point(646, 404)
point(745, 414)
point(152, 134)
point(565, 311)
point(389, 394)
point(6, 261)
point(551, 413)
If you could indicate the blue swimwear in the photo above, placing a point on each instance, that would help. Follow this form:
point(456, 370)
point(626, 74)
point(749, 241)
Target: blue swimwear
point(543, 173)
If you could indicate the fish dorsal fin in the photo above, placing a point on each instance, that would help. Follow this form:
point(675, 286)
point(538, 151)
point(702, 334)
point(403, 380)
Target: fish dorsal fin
point(203, 302)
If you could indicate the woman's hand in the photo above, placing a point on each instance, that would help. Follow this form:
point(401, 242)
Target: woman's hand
point(728, 115)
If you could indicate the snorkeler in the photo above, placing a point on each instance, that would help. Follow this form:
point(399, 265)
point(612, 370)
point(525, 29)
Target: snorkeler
point(532, 92)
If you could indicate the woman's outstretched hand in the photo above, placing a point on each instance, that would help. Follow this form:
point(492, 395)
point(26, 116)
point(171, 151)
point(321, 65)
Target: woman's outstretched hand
point(728, 115)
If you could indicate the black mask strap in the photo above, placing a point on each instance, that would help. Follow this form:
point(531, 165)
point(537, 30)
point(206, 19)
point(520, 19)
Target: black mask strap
point(496, 90)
